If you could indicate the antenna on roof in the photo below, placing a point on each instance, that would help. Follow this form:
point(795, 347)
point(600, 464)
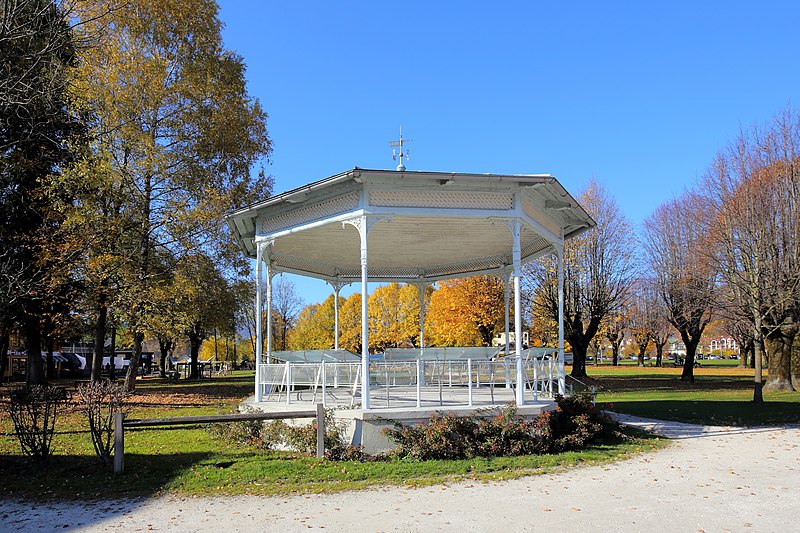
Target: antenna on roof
point(399, 156)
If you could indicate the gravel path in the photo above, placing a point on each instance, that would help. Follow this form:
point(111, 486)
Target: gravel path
point(710, 479)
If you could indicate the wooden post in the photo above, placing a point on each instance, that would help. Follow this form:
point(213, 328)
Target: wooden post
point(119, 443)
point(320, 431)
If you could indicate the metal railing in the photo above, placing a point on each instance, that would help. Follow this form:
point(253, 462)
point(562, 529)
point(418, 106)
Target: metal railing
point(399, 383)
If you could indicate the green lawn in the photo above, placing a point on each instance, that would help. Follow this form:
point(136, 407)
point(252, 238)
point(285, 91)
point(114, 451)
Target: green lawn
point(191, 461)
point(721, 394)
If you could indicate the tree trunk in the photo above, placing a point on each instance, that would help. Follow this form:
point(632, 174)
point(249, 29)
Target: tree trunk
point(614, 354)
point(640, 355)
point(744, 351)
point(659, 352)
point(99, 338)
point(5, 340)
point(795, 363)
point(758, 346)
point(164, 346)
point(195, 340)
point(33, 345)
point(687, 374)
point(133, 367)
point(779, 347)
point(578, 359)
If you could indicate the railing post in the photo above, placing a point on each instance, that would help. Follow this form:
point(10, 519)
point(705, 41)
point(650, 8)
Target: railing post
point(320, 431)
point(469, 382)
point(119, 443)
point(419, 382)
point(288, 382)
point(323, 383)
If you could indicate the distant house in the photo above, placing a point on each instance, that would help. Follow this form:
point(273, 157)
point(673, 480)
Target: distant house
point(676, 347)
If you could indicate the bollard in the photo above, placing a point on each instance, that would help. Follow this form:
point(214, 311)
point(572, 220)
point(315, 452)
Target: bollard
point(119, 443)
point(320, 431)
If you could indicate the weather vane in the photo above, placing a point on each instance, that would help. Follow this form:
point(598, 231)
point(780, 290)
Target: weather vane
point(399, 156)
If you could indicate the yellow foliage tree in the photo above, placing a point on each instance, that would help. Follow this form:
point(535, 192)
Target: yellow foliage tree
point(466, 312)
point(393, 315)
point(350, 324)
point(314, 327)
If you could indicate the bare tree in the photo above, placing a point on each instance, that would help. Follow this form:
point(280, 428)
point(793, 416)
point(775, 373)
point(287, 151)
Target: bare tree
point(286, 306)
point(597, 268)
point(645, 319)
point(673, 239)
point(753, 188)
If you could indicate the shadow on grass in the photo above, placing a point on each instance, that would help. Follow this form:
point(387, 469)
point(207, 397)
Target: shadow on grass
point(70, 477)
point(671, 383)
point(711, 412)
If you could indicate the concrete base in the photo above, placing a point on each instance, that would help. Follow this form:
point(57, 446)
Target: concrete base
point(365, 428)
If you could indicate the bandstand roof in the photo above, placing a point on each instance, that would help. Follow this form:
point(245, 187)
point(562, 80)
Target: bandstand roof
point(424, 225)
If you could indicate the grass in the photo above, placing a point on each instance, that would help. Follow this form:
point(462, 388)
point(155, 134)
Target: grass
point(191, 461)
point(721, 395)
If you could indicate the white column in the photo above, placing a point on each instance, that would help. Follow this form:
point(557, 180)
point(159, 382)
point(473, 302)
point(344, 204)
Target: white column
point(336, 288)
point(421, 287)
point(270, 273)
point(507, 297)
point(561, 377)
point(259, 318)
point(517, 258)
point(364, 232)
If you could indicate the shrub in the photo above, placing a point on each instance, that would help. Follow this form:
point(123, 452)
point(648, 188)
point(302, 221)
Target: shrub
point(253, 433)
point(100, 401)
point(441, 437)
point(304, 438)
point(507, 434)
point(34, 411)
point(573, 425)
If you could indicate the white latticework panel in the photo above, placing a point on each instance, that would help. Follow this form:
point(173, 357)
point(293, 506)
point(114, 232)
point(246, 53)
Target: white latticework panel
point(535, 246)
point(296, 263)
point(397, 273)
point(441, 199)
point(302, 215)
point(479, 265)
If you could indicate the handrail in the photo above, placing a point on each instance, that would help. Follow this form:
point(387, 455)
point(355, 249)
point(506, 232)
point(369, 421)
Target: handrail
point(120, 424)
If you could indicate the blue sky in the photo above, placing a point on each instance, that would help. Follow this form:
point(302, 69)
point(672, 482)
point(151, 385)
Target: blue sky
point(638, 95)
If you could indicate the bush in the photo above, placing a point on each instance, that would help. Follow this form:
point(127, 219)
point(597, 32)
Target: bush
point(34, 411)
point(572, 426)
point(575, 423)
point(100, 401)
point(441, 437)
point(247, 433)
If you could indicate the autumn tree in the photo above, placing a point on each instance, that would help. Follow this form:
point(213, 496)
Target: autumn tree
point(313, 329)
point(674, 236)
point(204, 302)
point(393, 315)
point(466, 311)
point(597, 270)
point(39, 134)
point(350, 323)
point(613, 329)
point(176, 133)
